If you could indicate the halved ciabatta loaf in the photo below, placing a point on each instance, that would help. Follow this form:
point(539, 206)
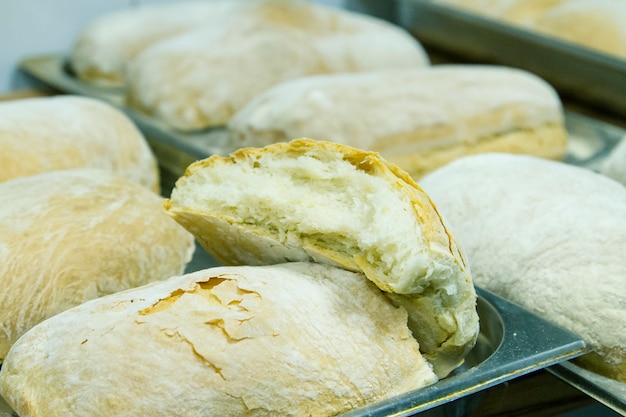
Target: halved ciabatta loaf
point(299, 339)
point(419, 119)
point(307, 200)
point(72, 235)
point(548, 236)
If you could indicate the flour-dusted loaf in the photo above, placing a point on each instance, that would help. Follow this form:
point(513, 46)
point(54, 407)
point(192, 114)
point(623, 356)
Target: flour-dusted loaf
point(419, 119)
point(298, 339)
point(307, 200)
point(73, 235)
point(614, 166)
point(200, 78)
point(548, 236)
point(64, 132)
point(103, 48)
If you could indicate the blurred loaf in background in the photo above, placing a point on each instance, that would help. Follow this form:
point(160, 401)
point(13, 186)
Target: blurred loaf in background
point(63, 132)
point(102, 49)
point(419, 119)
point(191, 65)
point(201, 78)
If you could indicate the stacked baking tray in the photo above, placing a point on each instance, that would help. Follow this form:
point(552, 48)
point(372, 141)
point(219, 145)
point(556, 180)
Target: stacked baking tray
point(512, 342)
point(578, 73)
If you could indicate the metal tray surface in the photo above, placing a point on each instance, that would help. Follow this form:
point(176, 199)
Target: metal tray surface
point(607, 391)
point(512, 342)
point(590, 141)
point(584, 74)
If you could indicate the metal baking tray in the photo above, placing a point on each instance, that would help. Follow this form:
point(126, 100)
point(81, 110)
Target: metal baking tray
point(512, 342)
point(607, 391)
point(581, 73)
point(590, 140)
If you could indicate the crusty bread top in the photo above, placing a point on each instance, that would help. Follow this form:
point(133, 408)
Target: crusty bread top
point(73, 235)
point(299, 339)
point(308, 200)
point(200, 78)
point(64, 132)
point(399, 112)
point(546, 235)
point(104, 47)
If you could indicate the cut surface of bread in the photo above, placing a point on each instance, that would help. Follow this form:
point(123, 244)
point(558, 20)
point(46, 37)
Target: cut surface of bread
point(299, 339)
point(65, 132)
point(548, 236)
point(418, 119)
point(307, 200)
point(73, 235)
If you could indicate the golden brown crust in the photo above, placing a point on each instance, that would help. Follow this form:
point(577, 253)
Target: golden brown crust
point(73, 235)
point(66, 132)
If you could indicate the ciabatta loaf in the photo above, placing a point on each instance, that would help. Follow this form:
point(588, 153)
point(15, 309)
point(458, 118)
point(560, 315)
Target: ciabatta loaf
point(307, 200)
point(614, 166)
point(419, 119)
point(201, 78)
point(103, 49)
point(63, 132)
point(288, 340)
point(548, 236)
point(73, 235)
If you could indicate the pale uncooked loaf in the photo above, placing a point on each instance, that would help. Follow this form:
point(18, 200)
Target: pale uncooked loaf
point(200, 78)
point(298, 339)
point(103, 48)
point(419, 119)
point(614, 166)
point(548, 236)
point(64, 132)
point(72, 235)
point(308, 200)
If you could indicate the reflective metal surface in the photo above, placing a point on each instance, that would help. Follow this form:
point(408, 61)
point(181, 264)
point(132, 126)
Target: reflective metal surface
point(588, 75)
point(512, 343)
point(607, 391)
